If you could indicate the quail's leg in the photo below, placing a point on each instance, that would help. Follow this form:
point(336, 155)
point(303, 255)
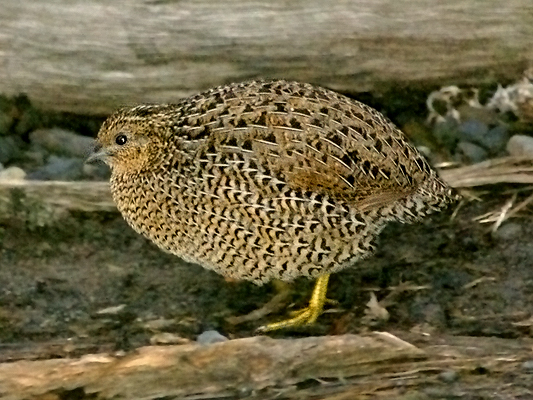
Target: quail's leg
point(307, 315)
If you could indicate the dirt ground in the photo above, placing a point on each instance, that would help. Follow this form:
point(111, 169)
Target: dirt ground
point(86, 282)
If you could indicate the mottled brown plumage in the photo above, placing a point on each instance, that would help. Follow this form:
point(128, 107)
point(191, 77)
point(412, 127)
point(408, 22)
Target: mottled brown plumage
point(264, 180)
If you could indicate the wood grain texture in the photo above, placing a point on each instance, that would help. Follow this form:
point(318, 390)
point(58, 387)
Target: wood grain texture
point(92, 56)
point(379, 365)
point(237, 365)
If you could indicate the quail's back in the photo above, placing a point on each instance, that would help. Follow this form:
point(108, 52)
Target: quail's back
point(264, 180)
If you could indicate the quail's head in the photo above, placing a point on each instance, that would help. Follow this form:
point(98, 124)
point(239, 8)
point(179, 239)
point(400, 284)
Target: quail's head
point(127, 142)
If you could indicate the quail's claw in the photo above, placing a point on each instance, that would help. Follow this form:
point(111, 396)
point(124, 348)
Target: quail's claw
point(306, 316)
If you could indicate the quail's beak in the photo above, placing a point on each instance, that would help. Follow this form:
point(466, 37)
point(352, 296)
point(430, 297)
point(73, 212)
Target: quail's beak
point(98, 154)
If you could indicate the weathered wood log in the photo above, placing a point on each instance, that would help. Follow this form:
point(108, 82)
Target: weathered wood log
point(491, 172)
point(378, 365)
point(92, 56)
point(81, 196)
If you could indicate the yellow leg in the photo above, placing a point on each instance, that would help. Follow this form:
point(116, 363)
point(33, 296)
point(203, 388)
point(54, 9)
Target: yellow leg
point(309, 314)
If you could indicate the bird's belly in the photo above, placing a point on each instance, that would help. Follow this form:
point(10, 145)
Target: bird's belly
point(260, 241)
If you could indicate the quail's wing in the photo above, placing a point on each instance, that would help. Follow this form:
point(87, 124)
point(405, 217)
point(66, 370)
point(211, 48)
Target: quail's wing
point(370, 166)
point(309, 139)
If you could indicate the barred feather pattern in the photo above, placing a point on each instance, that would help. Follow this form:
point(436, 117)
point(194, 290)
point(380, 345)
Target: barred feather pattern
point(267, 179)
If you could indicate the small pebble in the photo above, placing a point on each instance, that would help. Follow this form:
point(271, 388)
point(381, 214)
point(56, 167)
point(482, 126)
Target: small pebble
point(448, 376)
point(210, 337)
point(520, 146)
point(496, 139)
point(528, 365)
point(508, 232)
point(62, 142)
point(472, 131)
point(59, 169)
point(12, 174)
point(471, 152)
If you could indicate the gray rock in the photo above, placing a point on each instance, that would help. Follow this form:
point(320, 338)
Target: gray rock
point(473, 131)
point(210, 337)
point(508, 232)
point(59, 169)
point(12, 174)
point(447, 132)
point(62, 142)
point(9, 149)
point(528, 366)
point(496, 139)
point(471, 152)
point(520, 146)
point(449, 376)
point(35, 157)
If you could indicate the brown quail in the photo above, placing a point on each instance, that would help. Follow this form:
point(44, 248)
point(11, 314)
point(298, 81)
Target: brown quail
point(266, 180)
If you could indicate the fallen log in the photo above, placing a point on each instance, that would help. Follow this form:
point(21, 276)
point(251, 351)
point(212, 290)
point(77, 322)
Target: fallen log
point(348, 366)
point(90, 57)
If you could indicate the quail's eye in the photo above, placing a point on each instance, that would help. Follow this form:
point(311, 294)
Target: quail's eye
point(121, 140)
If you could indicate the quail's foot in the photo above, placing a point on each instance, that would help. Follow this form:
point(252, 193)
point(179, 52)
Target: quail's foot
point(308, 315)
